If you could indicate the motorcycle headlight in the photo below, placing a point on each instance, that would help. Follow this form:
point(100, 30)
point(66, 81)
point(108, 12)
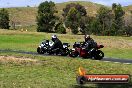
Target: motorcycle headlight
point(42, 45)
point(64, 46)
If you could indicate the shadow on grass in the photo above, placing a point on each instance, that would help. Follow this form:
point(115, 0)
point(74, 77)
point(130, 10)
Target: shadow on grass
point(102, 86)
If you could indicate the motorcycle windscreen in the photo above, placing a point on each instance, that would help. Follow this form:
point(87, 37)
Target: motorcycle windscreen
point(51, 43)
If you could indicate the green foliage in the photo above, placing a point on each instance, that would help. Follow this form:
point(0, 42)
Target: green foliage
point(128, 30)
point(95, 27)
point(84, 25)
point(74, 27)
point(72, 20)
point(105, 18)
point(73, 16)
point(118, 11)
point(46, 18)
point(108, 22)
point(60, 29)
point(103, 24)
point(81, 9)
point(118, 22)
point(4, 19)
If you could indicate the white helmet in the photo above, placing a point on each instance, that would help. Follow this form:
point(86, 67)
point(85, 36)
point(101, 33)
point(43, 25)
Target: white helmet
point(54, 36)
point(87, 36)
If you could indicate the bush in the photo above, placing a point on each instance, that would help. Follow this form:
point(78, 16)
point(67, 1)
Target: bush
point(4, 19)
point(128, 30)
point(74, 28)
point(60, 29)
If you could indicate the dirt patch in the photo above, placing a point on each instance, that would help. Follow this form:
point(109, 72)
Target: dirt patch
point(113, 43)
point(18, 60)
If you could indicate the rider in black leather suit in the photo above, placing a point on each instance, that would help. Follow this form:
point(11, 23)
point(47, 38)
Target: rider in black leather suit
point(89, 43)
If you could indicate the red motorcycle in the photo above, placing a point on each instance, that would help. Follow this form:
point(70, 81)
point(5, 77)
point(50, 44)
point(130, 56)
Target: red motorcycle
point(78, 50)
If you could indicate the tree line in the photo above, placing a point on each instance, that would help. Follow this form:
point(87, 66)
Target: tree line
point(107, 21)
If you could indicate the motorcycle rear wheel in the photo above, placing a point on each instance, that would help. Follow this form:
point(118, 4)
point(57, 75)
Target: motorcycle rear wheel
point(64, 52)
point(73, 53)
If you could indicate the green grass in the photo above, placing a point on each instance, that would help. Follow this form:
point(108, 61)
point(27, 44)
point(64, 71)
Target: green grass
point(116, 47)
point(54, 72)
point(20, 42)
point(118, 53)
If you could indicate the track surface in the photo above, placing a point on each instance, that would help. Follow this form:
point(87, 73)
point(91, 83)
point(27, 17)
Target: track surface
point(105, 59)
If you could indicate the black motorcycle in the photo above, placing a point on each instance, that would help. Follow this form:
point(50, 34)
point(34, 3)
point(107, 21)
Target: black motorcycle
point(45, 47)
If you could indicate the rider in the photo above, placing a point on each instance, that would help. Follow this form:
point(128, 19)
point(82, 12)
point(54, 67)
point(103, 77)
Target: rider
point(57, 43)
point(89, 43)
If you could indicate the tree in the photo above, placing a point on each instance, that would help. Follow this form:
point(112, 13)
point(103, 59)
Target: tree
point(72, 20)
point(84, 24)
point(128, 30)
point(104, 17)
point(4, 19)
point(109, 22)
point(46, 16)
point(81, 9)
point(95, 27)
point(118, 23)
point(73, 16)
point(128, 25)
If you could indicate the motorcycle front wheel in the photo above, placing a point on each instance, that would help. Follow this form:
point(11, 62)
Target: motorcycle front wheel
point(98, 55)
point(73, 53)
point(40, 51)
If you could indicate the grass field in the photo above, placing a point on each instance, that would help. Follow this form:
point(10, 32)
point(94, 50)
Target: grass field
point(28, 71)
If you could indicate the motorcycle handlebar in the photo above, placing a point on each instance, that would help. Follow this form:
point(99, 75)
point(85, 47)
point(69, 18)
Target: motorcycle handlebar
point(100, 46)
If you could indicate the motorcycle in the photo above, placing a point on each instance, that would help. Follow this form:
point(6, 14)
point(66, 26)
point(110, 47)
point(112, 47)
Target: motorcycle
point(45, 47)
point(79, 50)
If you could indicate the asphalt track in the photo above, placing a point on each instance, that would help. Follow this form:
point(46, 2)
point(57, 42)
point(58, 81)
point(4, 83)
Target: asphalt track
point(105, 59)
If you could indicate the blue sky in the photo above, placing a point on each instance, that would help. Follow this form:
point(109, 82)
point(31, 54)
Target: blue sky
point(20, 3)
